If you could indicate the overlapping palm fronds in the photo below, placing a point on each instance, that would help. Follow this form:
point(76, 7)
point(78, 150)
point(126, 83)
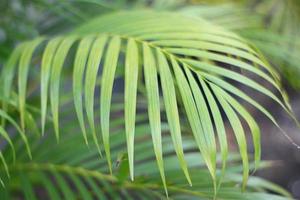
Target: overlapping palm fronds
point(79, 173)
point(182, 57)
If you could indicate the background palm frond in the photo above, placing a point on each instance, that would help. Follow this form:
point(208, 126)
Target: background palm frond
point(79, 173)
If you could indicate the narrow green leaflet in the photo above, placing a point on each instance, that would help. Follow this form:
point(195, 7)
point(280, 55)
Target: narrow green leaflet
point(250, 121)
point(23, 136)
point(90, 83)
point(5, 135)
point(28, 188)
point(203, 114)
point(204, 144)
point(109, 69)
point(219, 124)
point(151, 81)
point(45, 74)
point(79, 67)
point(237, 129)
point(57, 65)
point(131, 77)
point(51, 188)
point(5, 166)
point(24, 65)
point(8, 73)
point(82, 190)
point(63, 185)
point(170, 103)
point(95, 188)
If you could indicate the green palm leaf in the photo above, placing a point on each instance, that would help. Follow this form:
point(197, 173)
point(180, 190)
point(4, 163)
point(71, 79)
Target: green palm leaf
point(187, 54)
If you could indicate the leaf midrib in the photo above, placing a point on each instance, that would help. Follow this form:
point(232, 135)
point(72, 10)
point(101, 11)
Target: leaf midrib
point(96, 174)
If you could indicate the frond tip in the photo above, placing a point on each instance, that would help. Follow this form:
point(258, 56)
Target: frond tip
point(182, 56)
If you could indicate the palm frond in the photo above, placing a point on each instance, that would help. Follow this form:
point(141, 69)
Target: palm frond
point(79, 174)
point(184, 57)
